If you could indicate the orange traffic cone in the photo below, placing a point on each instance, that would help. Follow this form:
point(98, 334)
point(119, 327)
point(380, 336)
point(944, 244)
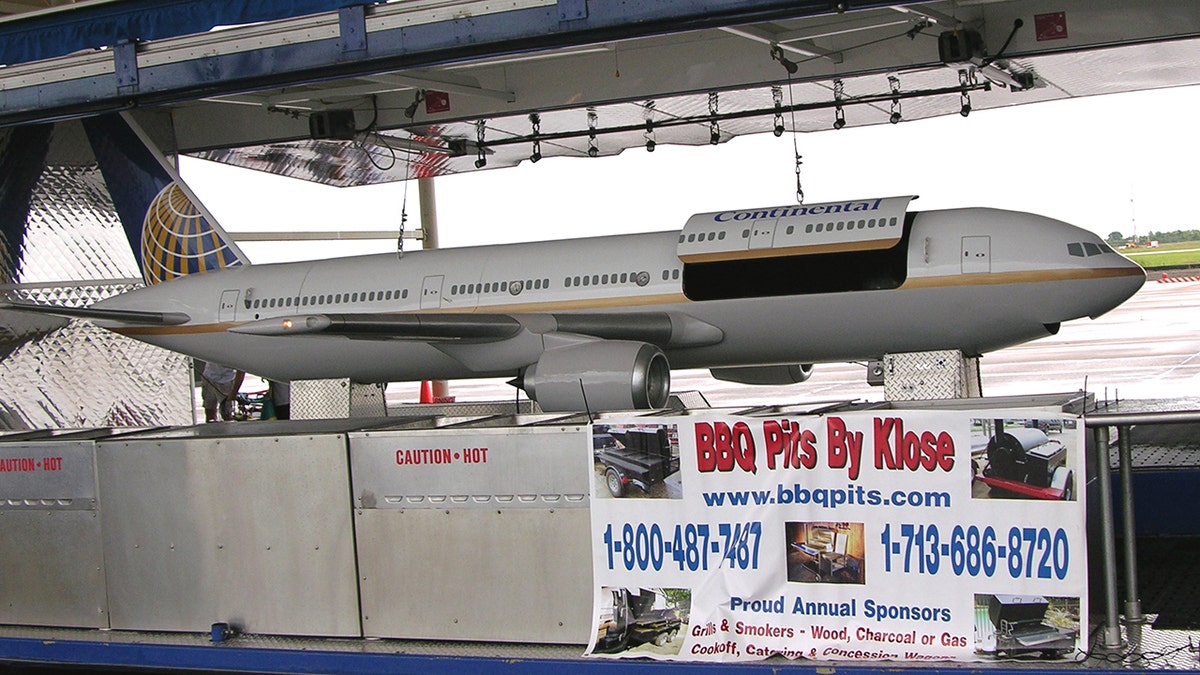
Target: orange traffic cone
point(426, 391)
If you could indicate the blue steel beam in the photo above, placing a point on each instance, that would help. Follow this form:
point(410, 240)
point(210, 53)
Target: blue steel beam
point(569, 23)
point(229, 658)
point(44, 35)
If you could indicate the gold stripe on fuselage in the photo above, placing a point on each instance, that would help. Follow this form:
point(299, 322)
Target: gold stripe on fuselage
point(783, 252)
point(1023, 277)
point(186, 329)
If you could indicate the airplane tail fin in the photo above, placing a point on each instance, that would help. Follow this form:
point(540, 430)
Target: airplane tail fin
point(170, 231)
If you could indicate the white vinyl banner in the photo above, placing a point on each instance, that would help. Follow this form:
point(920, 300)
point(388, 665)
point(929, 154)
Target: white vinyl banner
point(904, 536)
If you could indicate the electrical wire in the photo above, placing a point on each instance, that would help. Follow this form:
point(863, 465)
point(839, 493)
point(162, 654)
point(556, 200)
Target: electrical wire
point(371, 132)
point(1000, 54)
point(795, 139)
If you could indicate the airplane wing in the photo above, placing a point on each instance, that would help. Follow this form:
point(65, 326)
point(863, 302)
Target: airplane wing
point(120, 315)
point(659, 328)
point(20, 325)
point(424, 327)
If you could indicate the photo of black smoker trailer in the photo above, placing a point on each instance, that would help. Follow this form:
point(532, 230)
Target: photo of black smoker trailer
point(1027, 462)
point(1021, 629)
point(638, 617)
point(643, 457)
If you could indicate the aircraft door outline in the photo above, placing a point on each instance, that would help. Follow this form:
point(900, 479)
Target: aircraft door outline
point(976, 255)
point(431, 292)
point(227, 311)
point(762, 233)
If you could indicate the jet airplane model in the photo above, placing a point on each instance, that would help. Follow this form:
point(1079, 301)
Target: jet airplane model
point(757, 295)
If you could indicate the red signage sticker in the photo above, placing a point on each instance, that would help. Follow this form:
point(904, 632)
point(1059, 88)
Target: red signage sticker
point(1052, 26)
point(436, 102)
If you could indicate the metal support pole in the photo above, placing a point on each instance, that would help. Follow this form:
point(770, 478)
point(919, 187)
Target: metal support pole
point(429, 241)
point(1133, 603)
point(429, 231)
point(1108, 543)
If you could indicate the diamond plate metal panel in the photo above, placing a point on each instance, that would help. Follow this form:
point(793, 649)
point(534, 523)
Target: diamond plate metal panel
point(22, 157)
point(924, 375)
point(74, 252)
point(367, 400)
point(72, 233)
point(84, 376)
point(330, 399)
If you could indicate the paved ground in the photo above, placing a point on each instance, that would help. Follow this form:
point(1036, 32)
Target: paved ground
point(1147, 348)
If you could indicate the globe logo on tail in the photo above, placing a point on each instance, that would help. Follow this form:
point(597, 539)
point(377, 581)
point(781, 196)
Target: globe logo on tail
point(177, 239)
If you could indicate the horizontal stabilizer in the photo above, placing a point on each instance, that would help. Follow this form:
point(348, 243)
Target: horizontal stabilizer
point(119, 315)
point(18, 327)
point(432, 327)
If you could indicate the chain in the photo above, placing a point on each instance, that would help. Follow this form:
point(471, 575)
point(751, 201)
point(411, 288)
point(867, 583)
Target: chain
point(536, 120)
point(777, 98)
point(799, 186)
point(965, 79)
point(593, 148)
point(480, 130)
point(795, 141)
point(894, 84)
point(839, 115)
point(714, 127)
point(648, 111)
point(408, 171)
point(403, 219)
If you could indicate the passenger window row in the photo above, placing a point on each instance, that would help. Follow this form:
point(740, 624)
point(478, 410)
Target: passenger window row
point(846, 225)
point(639, 278)
point(693, 237)
point(513, 287)
point(330, 299)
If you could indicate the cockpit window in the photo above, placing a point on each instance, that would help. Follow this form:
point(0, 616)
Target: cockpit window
point(1075, 249)
point(1092, 249)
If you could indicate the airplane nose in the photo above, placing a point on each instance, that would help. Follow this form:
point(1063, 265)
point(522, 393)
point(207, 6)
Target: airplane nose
point(1121, 283)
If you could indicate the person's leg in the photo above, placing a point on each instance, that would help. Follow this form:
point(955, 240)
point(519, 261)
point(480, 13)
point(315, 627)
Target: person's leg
point(211, 398)
point(227, 403)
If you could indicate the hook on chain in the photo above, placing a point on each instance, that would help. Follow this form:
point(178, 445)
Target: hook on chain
point(839, 115)
point(799, 185)
point(966, 79)
point(535, 120)
point(894, 85)
point(777, 98)
point(480, 130)
point(648, 136)
point(593, 147)
point(714, 127)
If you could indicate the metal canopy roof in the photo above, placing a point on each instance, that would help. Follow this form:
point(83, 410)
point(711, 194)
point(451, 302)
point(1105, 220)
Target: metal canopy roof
point(436, 87)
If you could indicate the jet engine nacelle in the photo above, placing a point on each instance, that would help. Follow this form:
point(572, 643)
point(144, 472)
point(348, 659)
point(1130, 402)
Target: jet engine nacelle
point(778, 375)
point(601, 375)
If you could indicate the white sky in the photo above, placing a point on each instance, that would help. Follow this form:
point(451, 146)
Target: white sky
point(1097, 162)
